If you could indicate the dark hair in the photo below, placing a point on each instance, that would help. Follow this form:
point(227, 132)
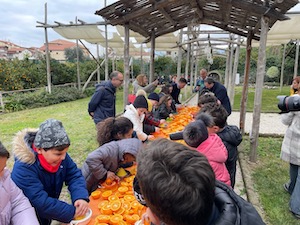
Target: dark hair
point(3, 151)
point(183, 80)
point(58, 148)
point(218, 112)
point(209, 80)
point(166, 89)
point(108, 129)
point(163, 100)
point(207, 97)
point(177, 183)
point(114, 74)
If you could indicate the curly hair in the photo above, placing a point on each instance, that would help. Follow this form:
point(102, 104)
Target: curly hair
point(108, 129)
point(140, 79)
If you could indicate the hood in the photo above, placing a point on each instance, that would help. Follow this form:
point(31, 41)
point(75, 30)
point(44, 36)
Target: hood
point(106, 84)
point(231, 134)
point(130, 145)
point(22, 146)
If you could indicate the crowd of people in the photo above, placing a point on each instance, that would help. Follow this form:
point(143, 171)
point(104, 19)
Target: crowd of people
point(180, 184)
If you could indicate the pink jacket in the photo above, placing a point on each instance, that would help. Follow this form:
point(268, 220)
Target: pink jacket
point(216, 153)
point(15, 208)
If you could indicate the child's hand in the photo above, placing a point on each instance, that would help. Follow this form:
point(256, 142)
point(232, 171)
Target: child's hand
point(112, 176)
point(151, 137)
point(162, 121)
point(156, 129)
point(81, 206)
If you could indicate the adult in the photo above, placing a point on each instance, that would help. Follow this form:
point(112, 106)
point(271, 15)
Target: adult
point(220, 92)
point(141, 82)
point(200, 82)
point(103, 102)
point(295, 85)
point(176, 89)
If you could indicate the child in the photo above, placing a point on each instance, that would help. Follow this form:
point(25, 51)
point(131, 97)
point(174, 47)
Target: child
point(207, 97)
point(14, 206)
point(196, 135)
point(112, 129)
point(179, 187)
point(42, 166)
point(105, 160)
point(230, 135)
point(136, 113)
point(164, 109)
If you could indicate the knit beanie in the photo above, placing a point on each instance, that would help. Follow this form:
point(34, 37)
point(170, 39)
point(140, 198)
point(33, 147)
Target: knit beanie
point(140, 102)
point(153, 96)
point(195, 133)
point(51, 134)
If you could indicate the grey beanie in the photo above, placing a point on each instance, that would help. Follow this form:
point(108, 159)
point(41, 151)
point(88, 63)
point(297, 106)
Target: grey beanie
point(51, 134)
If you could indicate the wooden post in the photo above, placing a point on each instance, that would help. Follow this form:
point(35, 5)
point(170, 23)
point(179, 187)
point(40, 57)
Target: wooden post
point(179, 56)
point(187, 66)
point(126, 65)
point(152, 56)
point(282, 67)
point(47, 53)
point(245, 85)
point(98, 70)
point(192, 66)
point(227, 74)
point(142, 66)
point(106, 49)
point(113, 64)
point(261, 66)
point(2, 102)
point(235, 67)
point(77, 53)
point(196, 71)
point(296, 59)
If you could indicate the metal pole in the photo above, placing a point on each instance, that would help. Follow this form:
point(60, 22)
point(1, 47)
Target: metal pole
point(187, 67)
point(282, 67)
point(98, 70)
point(226, 78)
point(296, 59)
point(152, 56)
point(179, 60)
point(126, 65)
point(142, 66)
point(106, 49)
point(192, 66)
point(47, 54)
point(77, 53)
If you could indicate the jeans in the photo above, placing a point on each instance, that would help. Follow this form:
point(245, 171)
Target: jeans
point(294, 188)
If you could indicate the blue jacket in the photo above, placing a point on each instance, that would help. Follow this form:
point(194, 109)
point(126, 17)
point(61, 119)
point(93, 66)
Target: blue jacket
point(43, 188)
point(103, 102)
point(221, 93)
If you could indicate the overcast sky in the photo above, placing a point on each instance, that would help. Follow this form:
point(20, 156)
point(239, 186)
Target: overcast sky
point(18, 18)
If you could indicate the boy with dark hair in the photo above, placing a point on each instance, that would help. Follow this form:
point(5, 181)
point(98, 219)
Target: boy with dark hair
point(42, 166)
point(176, 89)
point(229, 134)
point(15, 208)
point(179, 188)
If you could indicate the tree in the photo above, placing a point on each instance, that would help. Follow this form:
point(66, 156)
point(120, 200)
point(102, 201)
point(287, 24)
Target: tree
point(71, 54)
point(273, 72)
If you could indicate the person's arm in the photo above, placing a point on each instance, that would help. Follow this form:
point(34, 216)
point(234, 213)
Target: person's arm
point(95, 100)
point(151, 120)
point(287, 118)
point(151, 87)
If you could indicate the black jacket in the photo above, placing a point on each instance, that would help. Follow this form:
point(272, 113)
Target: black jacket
point(175, 93)
point(103, 102)
point(221, 93)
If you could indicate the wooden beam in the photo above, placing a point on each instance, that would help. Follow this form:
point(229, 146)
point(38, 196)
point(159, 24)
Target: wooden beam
point(213, 39)
point(195, 4)
point(126, 66)
point(167, 16)
point(226, 9)
point(135, 27)
point(296, 59)
point(282, 66)
point(208, 32)
point(179, 55)
point(261, 66)
point(152, 57)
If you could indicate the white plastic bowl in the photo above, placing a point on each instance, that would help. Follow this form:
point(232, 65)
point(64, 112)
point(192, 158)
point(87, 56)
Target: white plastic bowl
point(84, 221)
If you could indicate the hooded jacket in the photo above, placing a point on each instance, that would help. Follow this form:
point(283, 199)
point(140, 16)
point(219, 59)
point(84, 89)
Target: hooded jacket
point(231, 137)
point(103, 102)
point(14, 206)
point(107, 158)
point(216, 154)
point(43, 188)
point(132, 114)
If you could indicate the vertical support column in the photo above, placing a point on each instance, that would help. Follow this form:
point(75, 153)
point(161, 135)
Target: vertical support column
point(126, 65)
point(296, 59)
point(152, 56)
point(261, 66)
point(98, 67)
point(47, 53)
point(282, 67)
point(77, 53)
point(187, 67)
point(227, 73)
point(179, 55)
point(2, 102)
point(246, 84)
point(142, 65)
point(196, 71)
point(192, 66)
point(106, 49)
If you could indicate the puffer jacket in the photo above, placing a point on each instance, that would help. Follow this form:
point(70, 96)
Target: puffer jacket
point(107, 158)
point(132, 114)
point(231, 137)
point(216, 154)
point(290, 144)
point(15, 209)
point(103, 102)
point(43, 188)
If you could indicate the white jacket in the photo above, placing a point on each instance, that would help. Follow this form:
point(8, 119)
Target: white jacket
point(132, 114)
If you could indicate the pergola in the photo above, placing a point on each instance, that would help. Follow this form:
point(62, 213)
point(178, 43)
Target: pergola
point(249, 18)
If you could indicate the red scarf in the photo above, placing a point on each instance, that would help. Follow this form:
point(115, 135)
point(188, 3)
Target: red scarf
point(45, 164)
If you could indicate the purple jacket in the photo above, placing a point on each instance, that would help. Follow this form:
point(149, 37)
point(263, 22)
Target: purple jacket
point(15, 208)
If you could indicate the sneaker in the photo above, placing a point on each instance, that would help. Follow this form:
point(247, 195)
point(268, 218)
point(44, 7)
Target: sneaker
point(294, 214)
point(286, 187)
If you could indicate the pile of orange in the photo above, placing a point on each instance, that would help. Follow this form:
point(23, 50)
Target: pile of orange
point(118, 206)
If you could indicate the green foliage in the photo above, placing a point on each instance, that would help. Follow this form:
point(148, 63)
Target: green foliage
point(273, 72)
point(71, 54)
point(164, 66)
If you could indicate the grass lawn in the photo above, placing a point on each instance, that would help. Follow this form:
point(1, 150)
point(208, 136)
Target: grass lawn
point(269, 175)
point(269, 100)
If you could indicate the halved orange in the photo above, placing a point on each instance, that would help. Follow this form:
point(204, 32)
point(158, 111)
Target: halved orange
point(129, 192)
point(102, 203)
point(96, 194)
point(132, 219)
point(120, 211)
point(103, 218)
point(106, 194)
point(122, 190)
point(129, 198)
point(135, 204)
point(97, 223)
point(113, 198)
point(106, 210)
point(124, 184)
point(115, 219)
point(115, 205)
point(126, 205)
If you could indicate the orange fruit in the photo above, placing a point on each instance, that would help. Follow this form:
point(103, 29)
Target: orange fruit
point(125, 184)
point(106, 210)
point(108, 181)
point(103, 218)
point(115, 206)
point(96, 194)
point(122, 190)
point(129, 192)
point(129, 198)
point(97, 223)
point(106, 194)
point(113, 198)
point(119, 195)
point(102, 203)
point(120, 211)
point(115, 219)
point(126, 205)
point(132, 219)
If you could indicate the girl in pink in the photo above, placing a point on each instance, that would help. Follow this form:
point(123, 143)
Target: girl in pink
point(196, 135)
